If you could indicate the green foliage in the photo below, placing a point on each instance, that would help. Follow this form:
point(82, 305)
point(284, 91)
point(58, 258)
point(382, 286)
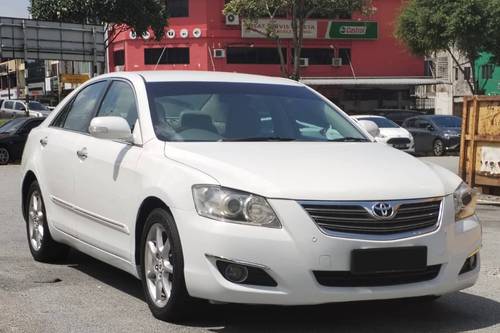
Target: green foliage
point(470, 26)
point(298, 11)
point(138, 14)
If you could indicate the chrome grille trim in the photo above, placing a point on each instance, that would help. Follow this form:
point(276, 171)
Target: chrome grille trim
point(352, 219)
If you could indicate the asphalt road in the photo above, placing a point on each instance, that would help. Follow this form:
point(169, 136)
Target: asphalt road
point(84, 295)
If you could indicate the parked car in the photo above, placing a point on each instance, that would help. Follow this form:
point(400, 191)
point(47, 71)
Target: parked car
point(435, 134)
point(391, 133)
point(241, 189)
point(13, 136)
point(17, 108)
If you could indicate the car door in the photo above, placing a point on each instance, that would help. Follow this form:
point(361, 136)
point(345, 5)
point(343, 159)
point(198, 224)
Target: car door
point(19, 109)
point(106, 179)
point(59, 144)
point(8, 109)
point(426, 135)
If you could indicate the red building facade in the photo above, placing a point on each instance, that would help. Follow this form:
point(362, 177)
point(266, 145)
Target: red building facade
point(200, 37)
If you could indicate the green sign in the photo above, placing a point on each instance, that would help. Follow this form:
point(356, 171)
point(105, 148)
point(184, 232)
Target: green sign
point(352, 30)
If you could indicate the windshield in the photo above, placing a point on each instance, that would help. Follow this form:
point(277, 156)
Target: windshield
point(11, 126)
point(218, 111)
point(36, 106)
point(381, 122)
point(453, 122)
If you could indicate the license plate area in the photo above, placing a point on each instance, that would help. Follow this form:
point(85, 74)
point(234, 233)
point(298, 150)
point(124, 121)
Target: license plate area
point(389, 260)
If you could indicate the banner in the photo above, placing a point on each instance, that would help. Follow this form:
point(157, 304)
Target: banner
point(283, 28)
point(352, 30)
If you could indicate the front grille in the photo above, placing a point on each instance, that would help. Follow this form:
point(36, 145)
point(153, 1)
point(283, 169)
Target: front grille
point(399, 141)
point(347, 279)
point(356, 217)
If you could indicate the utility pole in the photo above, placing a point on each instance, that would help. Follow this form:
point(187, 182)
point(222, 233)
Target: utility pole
point(26, 88)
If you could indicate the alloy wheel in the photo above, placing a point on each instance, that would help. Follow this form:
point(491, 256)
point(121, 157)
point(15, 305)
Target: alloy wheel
point(438, 148)
point(158, 266)
point(36, 219)
point(4, 156)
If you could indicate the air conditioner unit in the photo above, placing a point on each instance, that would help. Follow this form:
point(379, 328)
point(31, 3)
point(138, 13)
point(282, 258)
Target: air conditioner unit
point(232, 19)
point(304, 62)
point(336, 62)
point(219, 53)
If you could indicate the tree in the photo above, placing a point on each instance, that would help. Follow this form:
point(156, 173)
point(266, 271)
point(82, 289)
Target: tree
point(469, 26)
point(299, 11)
point(138, 15)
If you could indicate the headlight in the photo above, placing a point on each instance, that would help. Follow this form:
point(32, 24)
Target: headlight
point(465, 200)
point(227, 205)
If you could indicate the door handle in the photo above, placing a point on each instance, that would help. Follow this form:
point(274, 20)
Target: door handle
point(82, 154)
point(44, 141)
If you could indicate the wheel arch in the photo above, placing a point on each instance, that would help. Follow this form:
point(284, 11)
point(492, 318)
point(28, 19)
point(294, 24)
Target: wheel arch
point(147, 206)
point(28, 179)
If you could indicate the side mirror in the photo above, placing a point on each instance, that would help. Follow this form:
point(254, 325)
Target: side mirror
point(430, 127)
point(111, 128)
point(370, 127)
point(23, 108)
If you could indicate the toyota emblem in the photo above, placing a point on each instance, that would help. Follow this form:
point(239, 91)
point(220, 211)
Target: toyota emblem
point(383, 210)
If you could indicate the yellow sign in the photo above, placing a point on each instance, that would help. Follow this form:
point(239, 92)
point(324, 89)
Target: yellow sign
point(74, 78)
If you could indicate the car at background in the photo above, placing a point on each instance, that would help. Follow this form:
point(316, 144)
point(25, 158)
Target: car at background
point(391, 133)
point(241, 189)
point(397, 116)
point(17, 108)
point(435, 134)
point(13, 136)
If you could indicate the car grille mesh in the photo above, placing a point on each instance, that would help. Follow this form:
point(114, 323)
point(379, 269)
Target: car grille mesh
point(355, 218)
point(348, 279)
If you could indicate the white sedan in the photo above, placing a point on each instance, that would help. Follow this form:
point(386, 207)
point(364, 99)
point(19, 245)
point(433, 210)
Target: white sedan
point(391, 133)
point(241, 189)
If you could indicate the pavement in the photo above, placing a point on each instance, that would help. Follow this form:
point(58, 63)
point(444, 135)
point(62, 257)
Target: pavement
point(84, 295)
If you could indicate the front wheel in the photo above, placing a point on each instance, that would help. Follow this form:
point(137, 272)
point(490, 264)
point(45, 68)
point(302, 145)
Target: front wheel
point(43, 248)
point(438, 148)
point(4, 156)
point(162, 268)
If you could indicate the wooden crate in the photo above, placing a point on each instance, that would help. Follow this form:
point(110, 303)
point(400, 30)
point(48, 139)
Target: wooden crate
point(480, 146)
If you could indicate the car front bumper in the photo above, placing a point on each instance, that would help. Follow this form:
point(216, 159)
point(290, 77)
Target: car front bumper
point(292, 253)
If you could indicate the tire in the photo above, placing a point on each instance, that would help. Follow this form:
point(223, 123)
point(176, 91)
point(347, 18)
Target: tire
point(438, 148)
point(4, 156)
point(162, 268)
point(42, 247)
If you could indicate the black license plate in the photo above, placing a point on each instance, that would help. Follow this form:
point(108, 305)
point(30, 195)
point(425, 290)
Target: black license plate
point(385, 260)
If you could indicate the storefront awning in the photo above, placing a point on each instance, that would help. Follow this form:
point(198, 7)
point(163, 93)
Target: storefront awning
point(371, 81)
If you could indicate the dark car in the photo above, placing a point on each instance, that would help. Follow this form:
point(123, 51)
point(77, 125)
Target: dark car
point(397, 116)
point(435, 134)
point(13, 135)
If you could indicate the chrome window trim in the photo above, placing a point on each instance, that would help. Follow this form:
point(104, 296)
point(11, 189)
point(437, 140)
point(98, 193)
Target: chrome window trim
point(367, 205)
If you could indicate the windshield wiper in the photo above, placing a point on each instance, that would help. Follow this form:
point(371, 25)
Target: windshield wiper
point(349, 139)
point(259, 139)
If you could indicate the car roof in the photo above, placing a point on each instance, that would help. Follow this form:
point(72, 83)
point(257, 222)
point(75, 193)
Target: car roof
point(203, 76)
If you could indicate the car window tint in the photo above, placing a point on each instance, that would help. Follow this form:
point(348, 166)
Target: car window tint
point(9, 105)
point(83, 107)
point(120, 102)
point(19, 106)
point(422, 123)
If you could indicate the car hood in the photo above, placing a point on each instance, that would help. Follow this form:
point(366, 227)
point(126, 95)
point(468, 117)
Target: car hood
point(4, 136)
point(315, 170)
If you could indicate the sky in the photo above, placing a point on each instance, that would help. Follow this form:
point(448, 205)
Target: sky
point(14, 8)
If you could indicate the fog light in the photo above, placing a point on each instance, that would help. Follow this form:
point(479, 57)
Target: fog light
point(236, 273)
point(470, 264)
